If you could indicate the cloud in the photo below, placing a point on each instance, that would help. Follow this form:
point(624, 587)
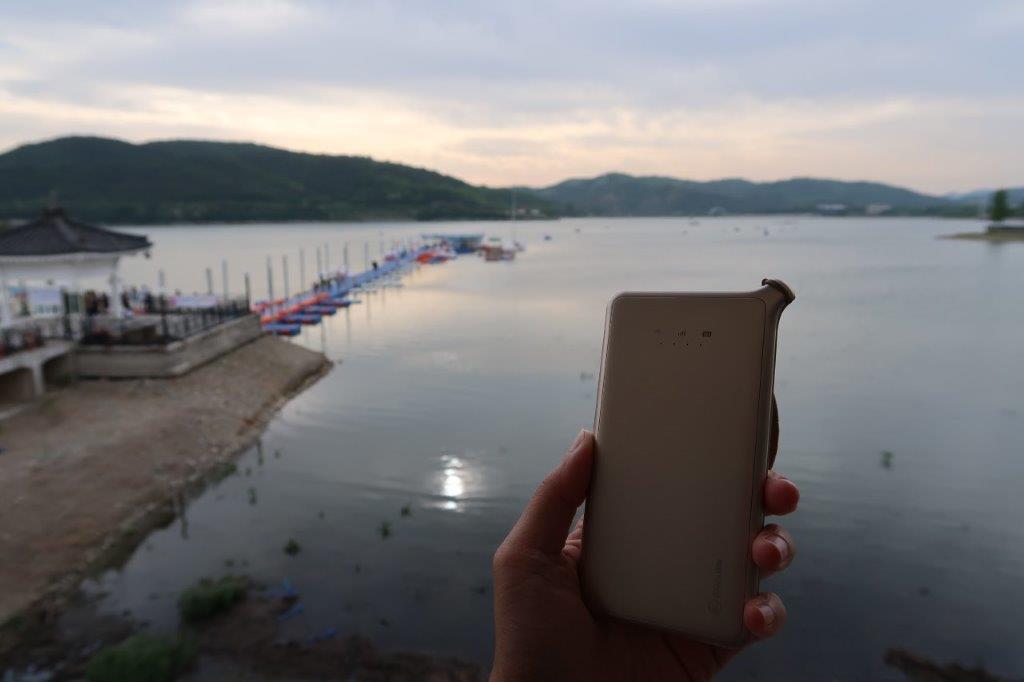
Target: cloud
point(520, 92)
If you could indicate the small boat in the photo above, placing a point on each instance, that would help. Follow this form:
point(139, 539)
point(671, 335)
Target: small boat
point(460, 243)
point(496, 250)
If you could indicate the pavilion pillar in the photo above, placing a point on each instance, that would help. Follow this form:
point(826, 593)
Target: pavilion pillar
point(116, 309)
point(5, 305)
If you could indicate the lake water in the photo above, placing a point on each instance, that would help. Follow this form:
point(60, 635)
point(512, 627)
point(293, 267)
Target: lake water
point(457, 392)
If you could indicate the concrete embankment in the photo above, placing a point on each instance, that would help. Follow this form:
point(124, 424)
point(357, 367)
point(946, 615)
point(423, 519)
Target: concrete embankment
point(90, 469)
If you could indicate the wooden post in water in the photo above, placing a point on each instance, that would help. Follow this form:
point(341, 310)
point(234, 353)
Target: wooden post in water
point(284, 273)
point(248, 293)
point(224, 277)
point(327, 258)
point(302, 270)
point(270, 280)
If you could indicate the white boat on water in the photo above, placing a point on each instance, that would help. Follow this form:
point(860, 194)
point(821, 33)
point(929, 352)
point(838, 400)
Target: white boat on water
point(496, 249)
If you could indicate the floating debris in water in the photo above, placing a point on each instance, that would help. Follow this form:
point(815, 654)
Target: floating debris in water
point(586, 376)
point(252, 495)
point(248, 471)
point(887, 459)
point(385, 622)
point(320, 514)
point(229, 563)
point(407, 510)
point(294, 611)
point(277, 454)
point(481, 589)
point(292, 548)
point(329, 633)
point(923, 591)
point(286, 591)
point(385, 529)
point(358, 568)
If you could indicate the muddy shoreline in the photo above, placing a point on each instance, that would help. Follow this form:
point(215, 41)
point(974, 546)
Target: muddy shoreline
point(91, 469)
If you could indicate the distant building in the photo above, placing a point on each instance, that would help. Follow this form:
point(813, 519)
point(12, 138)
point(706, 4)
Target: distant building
point(831, 209)
point(877, 209)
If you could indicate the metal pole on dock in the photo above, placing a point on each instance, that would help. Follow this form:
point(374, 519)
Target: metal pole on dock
point(302, 269)
point(224, 276)
point(366, 255)
point(270, 280)
point(327, 257)
point(319, 263)
point(161, 282)
point(209, 281)
point(344, 255)
point(284, 273)
point(248, 292)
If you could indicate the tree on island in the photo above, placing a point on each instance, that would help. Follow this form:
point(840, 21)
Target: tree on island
point(1000, 208)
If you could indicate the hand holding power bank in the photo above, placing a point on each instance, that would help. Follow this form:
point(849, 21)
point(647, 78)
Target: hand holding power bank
point(684, 434)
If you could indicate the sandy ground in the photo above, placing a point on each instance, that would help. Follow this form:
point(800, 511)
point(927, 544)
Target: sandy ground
point(89, 469)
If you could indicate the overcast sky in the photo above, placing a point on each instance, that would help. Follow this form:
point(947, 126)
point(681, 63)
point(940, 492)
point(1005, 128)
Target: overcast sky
point(923, 93)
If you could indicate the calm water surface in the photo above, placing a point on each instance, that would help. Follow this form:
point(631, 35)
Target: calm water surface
point(455, 393)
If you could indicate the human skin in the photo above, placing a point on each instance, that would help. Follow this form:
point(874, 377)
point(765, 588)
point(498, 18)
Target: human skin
point(543, 628)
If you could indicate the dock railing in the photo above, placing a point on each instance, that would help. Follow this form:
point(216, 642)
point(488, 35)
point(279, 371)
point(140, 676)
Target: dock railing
point(162, 326)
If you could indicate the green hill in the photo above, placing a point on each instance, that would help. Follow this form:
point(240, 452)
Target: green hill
point(111, 181)
point(620, 194)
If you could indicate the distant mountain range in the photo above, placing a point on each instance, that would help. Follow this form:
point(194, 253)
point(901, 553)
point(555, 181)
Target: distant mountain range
point(185, 181)
point(619, 194)
point(112, 181)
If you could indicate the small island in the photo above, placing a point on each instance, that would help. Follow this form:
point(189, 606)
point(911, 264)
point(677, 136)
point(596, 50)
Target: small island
point(1001, 229)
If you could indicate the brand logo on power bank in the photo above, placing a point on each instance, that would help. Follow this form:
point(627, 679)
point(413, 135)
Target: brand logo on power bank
point(715, 605)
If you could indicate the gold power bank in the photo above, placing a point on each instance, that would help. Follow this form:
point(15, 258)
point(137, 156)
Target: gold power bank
point(682, 433)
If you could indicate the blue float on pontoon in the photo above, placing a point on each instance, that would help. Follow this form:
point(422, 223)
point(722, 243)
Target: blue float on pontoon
point(282, 329)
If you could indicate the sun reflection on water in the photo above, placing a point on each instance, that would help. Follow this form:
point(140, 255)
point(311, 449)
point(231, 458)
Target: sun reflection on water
point(453, 484)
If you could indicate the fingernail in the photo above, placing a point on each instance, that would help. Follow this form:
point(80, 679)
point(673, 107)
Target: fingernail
point(579, 440)
point(767, 615)
point(780, 543)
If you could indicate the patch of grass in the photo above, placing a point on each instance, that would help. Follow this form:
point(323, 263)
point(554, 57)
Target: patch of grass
point(385, 529)
point(211, 597)
point(292, 548)
point(887, 459)
point(142, 657)
point(407, 510)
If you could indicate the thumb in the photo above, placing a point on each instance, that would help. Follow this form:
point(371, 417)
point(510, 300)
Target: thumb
point(545, 522)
